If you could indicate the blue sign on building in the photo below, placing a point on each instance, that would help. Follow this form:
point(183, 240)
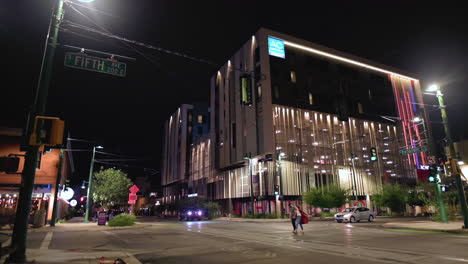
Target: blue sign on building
point(276, 47)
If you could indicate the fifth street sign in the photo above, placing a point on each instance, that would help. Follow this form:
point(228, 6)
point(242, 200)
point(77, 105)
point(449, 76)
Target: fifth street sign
point(413, 150)
point(85, 62)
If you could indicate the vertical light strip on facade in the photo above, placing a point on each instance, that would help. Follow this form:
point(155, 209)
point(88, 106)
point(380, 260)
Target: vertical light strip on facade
point(343, 59)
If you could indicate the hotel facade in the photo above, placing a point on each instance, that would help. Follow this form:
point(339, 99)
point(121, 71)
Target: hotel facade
point(306, 116)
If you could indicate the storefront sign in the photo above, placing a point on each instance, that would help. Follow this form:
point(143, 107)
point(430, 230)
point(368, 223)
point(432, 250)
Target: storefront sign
point(276, 47)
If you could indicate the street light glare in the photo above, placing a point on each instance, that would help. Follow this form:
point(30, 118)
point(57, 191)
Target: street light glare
point(433, 88)
point(86, 1)
point(282, 154)
point(99, 147)
point(417, 119)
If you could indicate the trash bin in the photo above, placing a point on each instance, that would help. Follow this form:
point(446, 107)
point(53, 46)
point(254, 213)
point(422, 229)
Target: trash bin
point(102, 218)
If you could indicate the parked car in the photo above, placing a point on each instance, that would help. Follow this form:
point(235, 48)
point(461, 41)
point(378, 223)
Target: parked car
point(355, 214)
point(191, 214)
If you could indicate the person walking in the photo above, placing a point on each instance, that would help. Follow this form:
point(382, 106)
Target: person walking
point(292, 216)
point(298, 219)
point(302, 219)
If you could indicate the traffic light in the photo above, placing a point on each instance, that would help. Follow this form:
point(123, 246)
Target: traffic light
point(373, 154)
point(82, 199)
point(47, 131)
point(433, 173)
point(9, 164)
point(277, 190)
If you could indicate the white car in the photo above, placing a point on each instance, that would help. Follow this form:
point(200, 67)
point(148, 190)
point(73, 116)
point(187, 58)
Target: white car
point(355, 214)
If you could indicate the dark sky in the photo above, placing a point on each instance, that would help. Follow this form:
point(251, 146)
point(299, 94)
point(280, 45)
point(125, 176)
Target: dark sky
point(126, 114)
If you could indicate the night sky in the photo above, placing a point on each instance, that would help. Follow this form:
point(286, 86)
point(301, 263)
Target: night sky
point(126, 114)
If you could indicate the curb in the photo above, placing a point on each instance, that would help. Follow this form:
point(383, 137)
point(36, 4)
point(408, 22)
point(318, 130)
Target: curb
point(454, 231)
point(88, 228)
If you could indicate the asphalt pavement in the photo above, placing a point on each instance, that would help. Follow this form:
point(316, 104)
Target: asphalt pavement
point(164, 241)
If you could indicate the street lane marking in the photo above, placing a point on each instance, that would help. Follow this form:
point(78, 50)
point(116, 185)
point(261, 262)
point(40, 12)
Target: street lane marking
point(46, 242)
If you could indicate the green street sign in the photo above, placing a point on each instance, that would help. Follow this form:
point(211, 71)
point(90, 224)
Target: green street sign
point(90, 63)
point(413, 150)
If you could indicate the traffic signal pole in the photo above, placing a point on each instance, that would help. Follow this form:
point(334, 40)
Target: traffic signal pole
point(20, 230)
point(443, 212)
point(458, 181)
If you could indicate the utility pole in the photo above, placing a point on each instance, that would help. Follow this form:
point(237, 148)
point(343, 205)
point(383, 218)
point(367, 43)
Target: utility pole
point(353, 156)
point(443, 212)
point(280, 174)
point(29, 172)
point(90, 179)
point(57, 184)
point(248, 156)
point(458, 181)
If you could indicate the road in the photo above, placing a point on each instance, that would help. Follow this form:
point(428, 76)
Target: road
point(246, 242)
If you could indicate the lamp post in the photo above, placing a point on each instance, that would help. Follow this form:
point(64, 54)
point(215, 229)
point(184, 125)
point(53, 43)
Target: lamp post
point(458, 182)
point(353, 157)
point(90, 179)
point(280, 175)
point(443, 212)
point(248, 156)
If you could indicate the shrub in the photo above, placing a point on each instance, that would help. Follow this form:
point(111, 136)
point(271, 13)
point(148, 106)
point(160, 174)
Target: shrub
point(332, 196)
point(393, 196)
point(212, 208)
point(123, 220)
point(325, 214)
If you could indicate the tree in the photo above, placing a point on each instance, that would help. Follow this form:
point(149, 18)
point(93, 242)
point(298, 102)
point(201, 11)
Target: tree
point(393, 196)
point(110, 187)
point(332, 196)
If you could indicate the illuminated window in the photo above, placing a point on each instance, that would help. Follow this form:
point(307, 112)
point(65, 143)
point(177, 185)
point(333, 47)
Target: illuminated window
point(190, 117)
point(311, 99)
point(293, 76)
point(259, 93)
point(246, 90)
point(200, 119)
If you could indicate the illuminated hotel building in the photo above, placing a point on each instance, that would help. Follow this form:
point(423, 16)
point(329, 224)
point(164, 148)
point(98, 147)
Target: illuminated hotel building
point(323, 109)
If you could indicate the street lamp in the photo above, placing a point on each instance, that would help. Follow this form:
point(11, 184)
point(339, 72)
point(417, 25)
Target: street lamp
point(458, 182)
point(91, 167)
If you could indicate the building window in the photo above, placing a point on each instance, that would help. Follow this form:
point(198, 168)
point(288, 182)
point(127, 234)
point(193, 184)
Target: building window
point(190, 117)
point(200, 119)
point(292, 76)
point(246, 90)
point(311, 99)
point(276, 91)
point(370, 95)
point(360, 108)
point(233, 135)
point(39, 159)
point(259, 93)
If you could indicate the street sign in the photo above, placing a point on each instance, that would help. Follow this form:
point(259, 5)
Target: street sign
point(134, 189)
point(413, 150)
point(132, 197)
point(131, 201)
point(90, 63)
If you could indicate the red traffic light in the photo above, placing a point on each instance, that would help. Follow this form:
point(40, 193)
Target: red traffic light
point(82, 199)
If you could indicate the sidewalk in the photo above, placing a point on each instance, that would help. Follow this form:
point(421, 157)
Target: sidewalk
point(77, 224)
point(452, 227)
